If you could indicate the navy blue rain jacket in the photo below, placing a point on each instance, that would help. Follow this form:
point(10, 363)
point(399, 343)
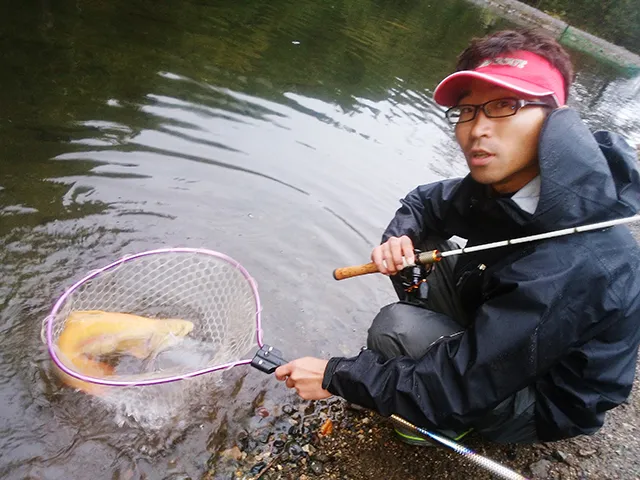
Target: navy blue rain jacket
point(561, 315)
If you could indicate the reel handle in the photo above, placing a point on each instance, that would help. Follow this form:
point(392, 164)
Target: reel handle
point(424, 258)
point(267, 359)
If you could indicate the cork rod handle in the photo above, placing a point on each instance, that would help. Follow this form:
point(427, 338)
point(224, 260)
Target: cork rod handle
point(354, 271)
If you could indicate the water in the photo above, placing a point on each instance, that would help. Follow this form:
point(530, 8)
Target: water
point(280, 133)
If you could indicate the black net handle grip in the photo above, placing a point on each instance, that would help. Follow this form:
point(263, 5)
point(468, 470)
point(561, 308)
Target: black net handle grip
point(267, 359)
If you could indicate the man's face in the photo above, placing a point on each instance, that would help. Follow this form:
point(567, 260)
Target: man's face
point(501, 152)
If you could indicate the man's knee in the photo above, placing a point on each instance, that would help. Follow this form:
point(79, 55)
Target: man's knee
point(404, 329)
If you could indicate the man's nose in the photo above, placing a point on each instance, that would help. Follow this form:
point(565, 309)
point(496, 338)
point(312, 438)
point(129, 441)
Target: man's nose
point(481, 125)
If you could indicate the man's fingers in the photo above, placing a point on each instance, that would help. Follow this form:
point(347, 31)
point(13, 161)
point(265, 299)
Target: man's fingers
point(395, 245)
point(376, 257)
point(407, 249)
point(283, 371)
point(393, 255)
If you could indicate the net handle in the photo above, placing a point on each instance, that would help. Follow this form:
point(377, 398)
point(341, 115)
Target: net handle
point(94, 273)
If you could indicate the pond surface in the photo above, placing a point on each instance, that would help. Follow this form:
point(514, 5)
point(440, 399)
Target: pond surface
point(280, 133)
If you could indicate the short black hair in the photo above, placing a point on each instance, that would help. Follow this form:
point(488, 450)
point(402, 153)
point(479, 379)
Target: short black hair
point(528, 39)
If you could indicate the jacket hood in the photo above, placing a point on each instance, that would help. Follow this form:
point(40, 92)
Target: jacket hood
point(585, 177)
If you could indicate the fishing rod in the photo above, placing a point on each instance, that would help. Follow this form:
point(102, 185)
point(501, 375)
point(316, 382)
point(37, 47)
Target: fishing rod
point(475, 458)
point(434, 256)
point(267, 359)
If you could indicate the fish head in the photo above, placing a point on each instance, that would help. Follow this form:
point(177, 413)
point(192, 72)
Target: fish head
point(178, 327)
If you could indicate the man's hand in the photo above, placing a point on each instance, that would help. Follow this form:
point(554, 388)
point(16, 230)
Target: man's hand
point(388, 257)
point(305, 375)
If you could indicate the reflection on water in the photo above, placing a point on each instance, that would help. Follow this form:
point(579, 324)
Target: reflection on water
point(280, 133)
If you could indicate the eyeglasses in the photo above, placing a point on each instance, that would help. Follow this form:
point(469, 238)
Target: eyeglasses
point(501, 107)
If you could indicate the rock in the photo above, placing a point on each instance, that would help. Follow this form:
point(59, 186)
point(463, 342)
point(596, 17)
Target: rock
point(295, 451)
point(242, 439)
point(563, 472)
point(310, 409)
point(540, 469)
point(287, 409)
point(316, 467)
point(560, 455)
point(278, 446)
point(262, 412)
point(233, 453)
point(262, 436)
point(586, 452)
point(355, 407)
point(257, 468)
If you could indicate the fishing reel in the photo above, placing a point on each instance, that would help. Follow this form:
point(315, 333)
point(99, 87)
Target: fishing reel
point(413, 280)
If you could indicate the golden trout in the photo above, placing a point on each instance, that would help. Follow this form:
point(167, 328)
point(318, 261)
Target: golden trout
point(91, 333)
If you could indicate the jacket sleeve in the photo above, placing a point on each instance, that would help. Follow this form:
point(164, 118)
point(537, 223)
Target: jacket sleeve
point(515, 338)
point(424, 210)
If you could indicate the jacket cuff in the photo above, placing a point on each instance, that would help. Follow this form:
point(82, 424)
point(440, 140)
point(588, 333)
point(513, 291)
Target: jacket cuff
point(329, 371)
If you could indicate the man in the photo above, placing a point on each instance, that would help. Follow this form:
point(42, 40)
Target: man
point(526, 343)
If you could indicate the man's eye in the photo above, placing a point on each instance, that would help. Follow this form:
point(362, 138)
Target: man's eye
point(466, 110)
point(504, 104)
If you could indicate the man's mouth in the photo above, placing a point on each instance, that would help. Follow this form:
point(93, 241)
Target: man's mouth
point(478, 158)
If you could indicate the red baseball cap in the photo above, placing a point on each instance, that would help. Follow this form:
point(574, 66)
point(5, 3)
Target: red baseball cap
point(521, 71)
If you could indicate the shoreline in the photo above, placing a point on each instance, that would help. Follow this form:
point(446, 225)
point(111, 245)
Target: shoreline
point(361, 445)
point(566, 34)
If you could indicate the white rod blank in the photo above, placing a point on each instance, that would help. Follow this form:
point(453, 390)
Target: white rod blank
point(541, 236)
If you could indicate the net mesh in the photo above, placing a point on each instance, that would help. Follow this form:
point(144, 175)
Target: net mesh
point(208, 291)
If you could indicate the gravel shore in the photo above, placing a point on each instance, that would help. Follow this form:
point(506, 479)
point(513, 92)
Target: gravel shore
point(333, 440)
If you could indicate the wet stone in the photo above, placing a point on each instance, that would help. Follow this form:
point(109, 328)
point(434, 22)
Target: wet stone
point(278, 446)
point(262, 412)
point(262, 436)
point(309, 409)
point(257, 468)
point(242, 439)
point(287, 409)
point(232, 453)
point(295, 451)
point(316, 467)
